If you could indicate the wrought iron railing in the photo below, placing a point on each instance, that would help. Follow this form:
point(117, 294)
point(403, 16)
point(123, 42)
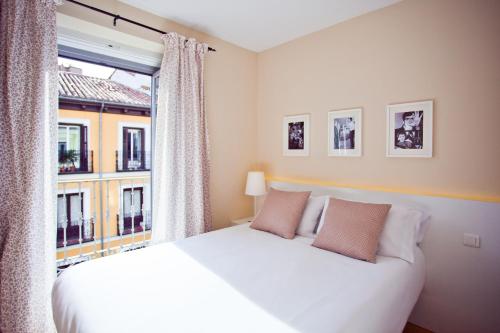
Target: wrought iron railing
point(92, 233)
point(138, 221)
point(75, 161)
point(75, 232)
point(139, 160)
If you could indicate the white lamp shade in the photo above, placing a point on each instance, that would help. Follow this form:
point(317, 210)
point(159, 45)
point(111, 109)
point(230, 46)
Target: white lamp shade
point(256, 183)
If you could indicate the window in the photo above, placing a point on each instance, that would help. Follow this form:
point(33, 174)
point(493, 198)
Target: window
point(73, 155)
point(133, 149)
point(134, 212)
point(70, 216)
point(134, 145)
point(103, 108)
point(70, 137)
point(132, 202)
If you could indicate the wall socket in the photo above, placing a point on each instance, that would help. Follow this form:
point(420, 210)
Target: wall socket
point(472, 240)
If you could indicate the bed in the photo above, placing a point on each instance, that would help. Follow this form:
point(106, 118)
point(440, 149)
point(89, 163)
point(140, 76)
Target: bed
point(237, 280)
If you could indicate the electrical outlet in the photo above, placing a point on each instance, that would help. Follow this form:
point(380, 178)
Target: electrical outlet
point(471, 240)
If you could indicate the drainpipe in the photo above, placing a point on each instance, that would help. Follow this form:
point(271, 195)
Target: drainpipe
point(101, 206)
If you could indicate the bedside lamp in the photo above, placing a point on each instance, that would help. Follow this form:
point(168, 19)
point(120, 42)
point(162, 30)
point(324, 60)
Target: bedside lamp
point(256, 186)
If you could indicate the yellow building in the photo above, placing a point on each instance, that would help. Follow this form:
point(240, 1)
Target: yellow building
point(104, 151)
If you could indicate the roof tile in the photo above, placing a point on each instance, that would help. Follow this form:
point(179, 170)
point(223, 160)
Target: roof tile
point(73, 85)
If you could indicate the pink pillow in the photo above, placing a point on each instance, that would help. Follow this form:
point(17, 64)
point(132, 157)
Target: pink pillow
point(281, 212)
point(352, 228)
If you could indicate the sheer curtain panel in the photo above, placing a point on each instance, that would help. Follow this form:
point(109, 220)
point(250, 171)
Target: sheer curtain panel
point(28, 125)
point(181, 205)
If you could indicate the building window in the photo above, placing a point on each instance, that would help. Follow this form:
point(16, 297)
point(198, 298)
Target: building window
point(134, 154)
point(73, 154)
point(70, 217)
point(133, 211)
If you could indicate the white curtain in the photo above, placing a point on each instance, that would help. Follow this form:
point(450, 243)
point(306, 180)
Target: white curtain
point(181, 205)
point(28, 142)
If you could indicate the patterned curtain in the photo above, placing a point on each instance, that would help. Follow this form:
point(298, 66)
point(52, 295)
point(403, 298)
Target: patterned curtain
point(181, 206)
point(28, 125)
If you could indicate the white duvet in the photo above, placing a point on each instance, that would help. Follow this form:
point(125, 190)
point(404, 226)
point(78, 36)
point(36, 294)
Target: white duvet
point(236, 280)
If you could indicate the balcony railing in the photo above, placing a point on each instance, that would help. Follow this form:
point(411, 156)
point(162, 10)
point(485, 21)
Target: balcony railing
point(138, 220)
point(91, 232)
point(75, 161)
point(139, 160)
point(75, 232)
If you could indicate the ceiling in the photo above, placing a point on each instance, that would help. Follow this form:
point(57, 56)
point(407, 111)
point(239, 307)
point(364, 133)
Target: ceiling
point(258, 25)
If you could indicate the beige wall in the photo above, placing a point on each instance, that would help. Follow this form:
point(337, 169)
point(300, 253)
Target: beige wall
point(231, 90)
point(447, 50)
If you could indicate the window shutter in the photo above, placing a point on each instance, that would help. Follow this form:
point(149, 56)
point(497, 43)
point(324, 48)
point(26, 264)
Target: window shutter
point(84, 153)
point(125, 151)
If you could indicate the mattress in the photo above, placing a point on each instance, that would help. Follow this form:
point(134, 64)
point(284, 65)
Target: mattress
point(236, 280)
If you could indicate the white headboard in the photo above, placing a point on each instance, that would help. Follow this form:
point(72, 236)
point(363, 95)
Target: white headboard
point(462, 289)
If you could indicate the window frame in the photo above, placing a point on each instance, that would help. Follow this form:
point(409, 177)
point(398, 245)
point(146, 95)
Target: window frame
point(148, 144)
point(125, 150)
point(73, 231)
point(99, 58)
point(68, 204)
point(129, 189)
point(84, 150)
point(138, 219)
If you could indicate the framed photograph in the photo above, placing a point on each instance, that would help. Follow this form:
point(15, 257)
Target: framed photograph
point(344, 132)
point(296, 135)
point(409, 129)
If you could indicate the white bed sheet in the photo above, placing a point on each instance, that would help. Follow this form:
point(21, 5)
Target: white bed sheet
point(236, 280)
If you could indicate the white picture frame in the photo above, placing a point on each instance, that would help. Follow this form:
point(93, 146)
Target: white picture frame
point(296, 135)
point(409, 129)
point(345, 132)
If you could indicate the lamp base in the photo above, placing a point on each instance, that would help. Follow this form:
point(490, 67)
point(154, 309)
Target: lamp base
point(255, 206)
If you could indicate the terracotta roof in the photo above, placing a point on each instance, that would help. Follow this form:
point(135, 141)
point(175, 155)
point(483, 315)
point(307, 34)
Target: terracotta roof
point(73, 85)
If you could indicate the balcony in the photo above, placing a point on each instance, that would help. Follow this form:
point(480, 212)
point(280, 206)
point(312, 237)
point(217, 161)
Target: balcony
point(75, 161)
point(139, 160)
point(139, 221)
point(75, 232)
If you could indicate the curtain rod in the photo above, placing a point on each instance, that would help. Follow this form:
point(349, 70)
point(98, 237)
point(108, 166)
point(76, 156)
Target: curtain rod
point(118, 17)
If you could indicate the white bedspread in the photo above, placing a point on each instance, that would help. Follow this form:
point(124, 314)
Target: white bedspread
point(236, 280)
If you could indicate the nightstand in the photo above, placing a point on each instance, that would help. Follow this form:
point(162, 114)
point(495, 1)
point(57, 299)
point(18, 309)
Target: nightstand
point(244, 220)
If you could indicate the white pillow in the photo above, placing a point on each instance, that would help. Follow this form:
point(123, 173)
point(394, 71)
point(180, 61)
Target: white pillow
point(404, 229)
point(423, 227)
point(323, 213)
point(310, 217)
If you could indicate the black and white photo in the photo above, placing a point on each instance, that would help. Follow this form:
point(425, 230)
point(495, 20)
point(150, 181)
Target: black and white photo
point(409, 129)
point(344, 133)
point(296, 135)
point(344, 130)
